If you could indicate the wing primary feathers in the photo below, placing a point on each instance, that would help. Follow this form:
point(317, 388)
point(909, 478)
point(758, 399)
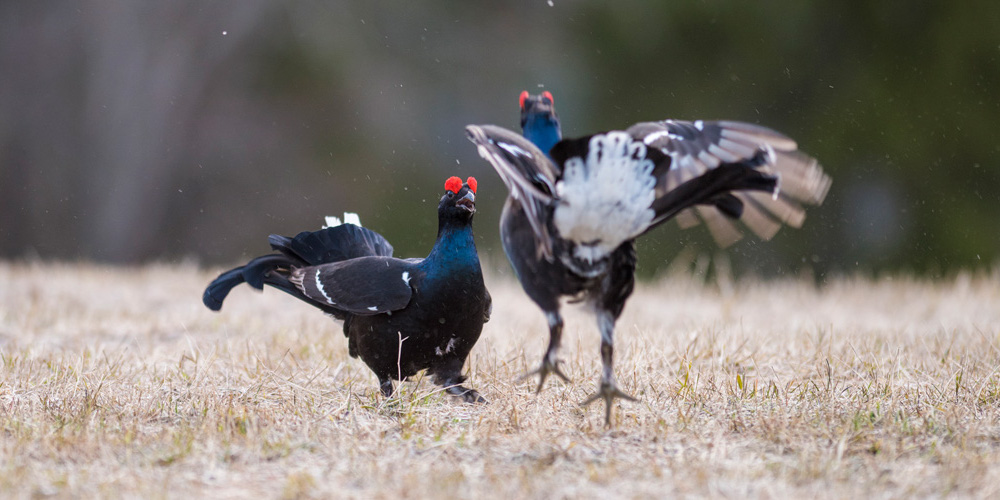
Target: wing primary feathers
point(355, 285)
point(530, 176)
point(697, 148)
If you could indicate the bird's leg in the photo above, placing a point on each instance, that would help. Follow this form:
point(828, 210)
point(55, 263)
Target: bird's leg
point(385, 385)
point(549, 363)
point(449, 375)
point(608, 389)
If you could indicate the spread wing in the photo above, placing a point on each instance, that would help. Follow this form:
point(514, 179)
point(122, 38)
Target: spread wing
point(530, 176)
point(699, 146)
point(363, 286)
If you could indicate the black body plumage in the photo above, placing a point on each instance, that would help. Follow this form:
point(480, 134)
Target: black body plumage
point(573, 211)
point(400, 316)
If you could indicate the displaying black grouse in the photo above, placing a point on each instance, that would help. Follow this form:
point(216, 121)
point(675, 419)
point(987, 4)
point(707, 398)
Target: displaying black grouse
point(575, 206)
point(400, 316)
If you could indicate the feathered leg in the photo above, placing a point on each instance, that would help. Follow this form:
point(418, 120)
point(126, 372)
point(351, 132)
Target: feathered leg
point(608, 388)
point(385, 385)
point(450, 377)
point(550, 363)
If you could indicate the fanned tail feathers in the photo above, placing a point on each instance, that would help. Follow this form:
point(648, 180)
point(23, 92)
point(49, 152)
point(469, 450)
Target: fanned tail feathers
point(333, 244)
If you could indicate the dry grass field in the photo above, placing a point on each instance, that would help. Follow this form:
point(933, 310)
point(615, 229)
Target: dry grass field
point(117, 382)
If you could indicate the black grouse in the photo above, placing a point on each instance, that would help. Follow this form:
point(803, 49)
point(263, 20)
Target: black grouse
point(575, 206)
point(400, 315)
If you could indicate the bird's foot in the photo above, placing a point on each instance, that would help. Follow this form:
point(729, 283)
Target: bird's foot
point(468, 395)
point(548, 366)
point(608, 391)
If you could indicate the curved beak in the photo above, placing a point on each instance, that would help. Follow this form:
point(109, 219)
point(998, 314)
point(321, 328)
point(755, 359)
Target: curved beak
point(467, 202)
point(535, 105)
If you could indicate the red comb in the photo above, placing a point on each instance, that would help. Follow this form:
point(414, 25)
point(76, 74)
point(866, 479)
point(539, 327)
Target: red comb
point(548, 95)
point(524, 97)
point(471, 181)
point(453, 184)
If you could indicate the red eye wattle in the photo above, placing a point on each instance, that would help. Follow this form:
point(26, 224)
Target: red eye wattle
point(472, 184)
point(453, 184)
point(524, 97)
point(548, 95)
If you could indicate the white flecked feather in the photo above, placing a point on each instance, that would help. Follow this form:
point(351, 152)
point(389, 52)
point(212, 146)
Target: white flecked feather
point(319, 286)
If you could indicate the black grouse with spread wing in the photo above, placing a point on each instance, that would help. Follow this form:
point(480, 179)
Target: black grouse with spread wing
point(400, 315)
point(574, 211)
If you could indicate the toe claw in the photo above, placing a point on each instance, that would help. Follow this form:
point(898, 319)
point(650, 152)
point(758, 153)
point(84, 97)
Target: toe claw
point(473, 397)
point(608, 391)
point(558, 372)
point(543, 371)
point(467, 395)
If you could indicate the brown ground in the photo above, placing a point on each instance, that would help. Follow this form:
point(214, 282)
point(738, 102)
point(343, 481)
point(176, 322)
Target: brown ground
point(117, 382)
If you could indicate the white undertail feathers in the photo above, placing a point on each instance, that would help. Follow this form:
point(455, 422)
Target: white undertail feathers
point(605, 199)
point(349, 218)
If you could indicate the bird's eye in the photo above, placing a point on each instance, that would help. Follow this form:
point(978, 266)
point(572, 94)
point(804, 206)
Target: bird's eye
point(451, 195)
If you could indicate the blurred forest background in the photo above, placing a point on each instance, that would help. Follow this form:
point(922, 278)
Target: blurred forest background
point(162, 131)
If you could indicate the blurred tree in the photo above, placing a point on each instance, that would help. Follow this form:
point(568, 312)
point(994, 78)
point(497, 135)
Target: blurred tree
point(138, 132)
